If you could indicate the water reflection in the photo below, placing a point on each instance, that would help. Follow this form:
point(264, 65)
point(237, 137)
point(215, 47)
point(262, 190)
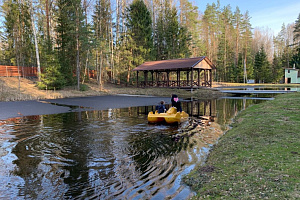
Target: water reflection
point(113, 154)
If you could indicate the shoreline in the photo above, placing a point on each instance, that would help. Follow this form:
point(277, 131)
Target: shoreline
point(14, 109)
point(257, 158)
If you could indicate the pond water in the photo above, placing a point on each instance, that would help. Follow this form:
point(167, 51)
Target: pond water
point(109, 154)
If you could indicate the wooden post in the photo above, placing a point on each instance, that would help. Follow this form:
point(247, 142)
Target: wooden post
point(205, 79)
point(179, 78)
point(137, 78)
point(168, 77)
point(157, 78)
point(152, 78)
point(178, 74)
point(192, 77)
point(198, 77)
point(146, 78)
point(210, 77)
point(187, 78)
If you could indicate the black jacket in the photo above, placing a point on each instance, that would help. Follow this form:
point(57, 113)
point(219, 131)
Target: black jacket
point(176, 104)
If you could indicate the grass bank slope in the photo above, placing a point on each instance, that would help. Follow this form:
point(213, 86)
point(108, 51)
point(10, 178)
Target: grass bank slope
point(258, 158)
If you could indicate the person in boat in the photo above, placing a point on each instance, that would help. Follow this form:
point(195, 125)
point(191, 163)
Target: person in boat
point(161, 108)
point(176, 103)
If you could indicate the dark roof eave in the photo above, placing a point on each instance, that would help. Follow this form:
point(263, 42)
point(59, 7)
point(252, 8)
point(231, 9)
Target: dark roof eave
point(173, 65)
point(163, 70)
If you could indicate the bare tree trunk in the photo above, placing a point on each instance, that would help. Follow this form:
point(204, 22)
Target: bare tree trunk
point(129, 69)
point(100, 69)
point(77, 50)
point(112, 53)
point(97, 66)
point(36, 44)
point(118, 19)
point(48, 20)
point(117, 33)
point(86, 72)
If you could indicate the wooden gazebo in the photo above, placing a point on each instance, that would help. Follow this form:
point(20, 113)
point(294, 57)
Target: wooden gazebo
point(198, 73)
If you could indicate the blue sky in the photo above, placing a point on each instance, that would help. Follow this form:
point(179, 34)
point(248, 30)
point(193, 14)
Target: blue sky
point(263, 13)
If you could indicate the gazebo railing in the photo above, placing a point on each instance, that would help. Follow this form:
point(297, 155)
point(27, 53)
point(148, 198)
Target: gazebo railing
point(172, 83)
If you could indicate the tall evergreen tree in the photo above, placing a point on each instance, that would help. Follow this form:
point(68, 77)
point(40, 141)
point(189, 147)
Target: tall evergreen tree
point(225, 47)
point(277, 71)
point(297, 29)
point(296, 56)
point(139, 28)
point(262, 70)
point(17, 33)
point(246, 39)
point(69, 27)
point(170, 38)
point(210, 30)
point(190, 19)
point(138, 38)
point(237, 21)
point(101, 26)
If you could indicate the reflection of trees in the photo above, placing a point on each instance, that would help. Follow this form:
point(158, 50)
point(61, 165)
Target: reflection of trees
point(84, 154)
point(49, 152)
point(229, 108)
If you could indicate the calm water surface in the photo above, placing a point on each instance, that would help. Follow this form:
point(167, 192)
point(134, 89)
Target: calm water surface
point(112, 154)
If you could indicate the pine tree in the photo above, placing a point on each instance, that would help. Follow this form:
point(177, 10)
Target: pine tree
point(296, 56)
point(297, 29)
point(171, 40)
point(237, 23)
point(69, 27)
point(190, 19)
point(101, 27)
point(139, 28)
point(225, 47)
point(17, 33)
point(262, 70)
point(277, 71)
point(246, 39)
point(210, 30)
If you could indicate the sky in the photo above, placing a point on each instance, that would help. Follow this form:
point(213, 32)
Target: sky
point(264, 13)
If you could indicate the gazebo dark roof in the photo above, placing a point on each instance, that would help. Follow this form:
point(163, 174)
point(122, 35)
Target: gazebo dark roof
point(173, 64)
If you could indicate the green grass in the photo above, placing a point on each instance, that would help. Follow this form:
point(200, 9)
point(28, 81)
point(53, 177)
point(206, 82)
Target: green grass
point(258, 158)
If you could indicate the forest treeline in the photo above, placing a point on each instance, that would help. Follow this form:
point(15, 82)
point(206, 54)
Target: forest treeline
point(65, 39)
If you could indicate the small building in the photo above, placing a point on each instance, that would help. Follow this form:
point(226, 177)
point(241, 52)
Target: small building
point(250, 81)
point(291, 75)
point(176, 73)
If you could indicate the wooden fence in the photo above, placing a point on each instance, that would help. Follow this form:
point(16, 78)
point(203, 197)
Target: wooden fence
point(10, 71)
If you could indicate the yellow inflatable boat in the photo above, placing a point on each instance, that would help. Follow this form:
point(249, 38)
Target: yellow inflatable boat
point(170, 117)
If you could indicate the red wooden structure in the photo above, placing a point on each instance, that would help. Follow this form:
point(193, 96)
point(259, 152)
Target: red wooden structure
point(9, 71)
point(13, 71)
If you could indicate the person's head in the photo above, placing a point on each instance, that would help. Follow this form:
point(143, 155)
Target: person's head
point(162, 102)
point(174, 97)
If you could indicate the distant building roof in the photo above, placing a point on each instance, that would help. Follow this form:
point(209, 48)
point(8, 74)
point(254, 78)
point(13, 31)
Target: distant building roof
point(199, 63)
point(292, 69)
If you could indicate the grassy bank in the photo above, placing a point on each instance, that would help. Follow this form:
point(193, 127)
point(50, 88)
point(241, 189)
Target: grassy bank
point(258, 158)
